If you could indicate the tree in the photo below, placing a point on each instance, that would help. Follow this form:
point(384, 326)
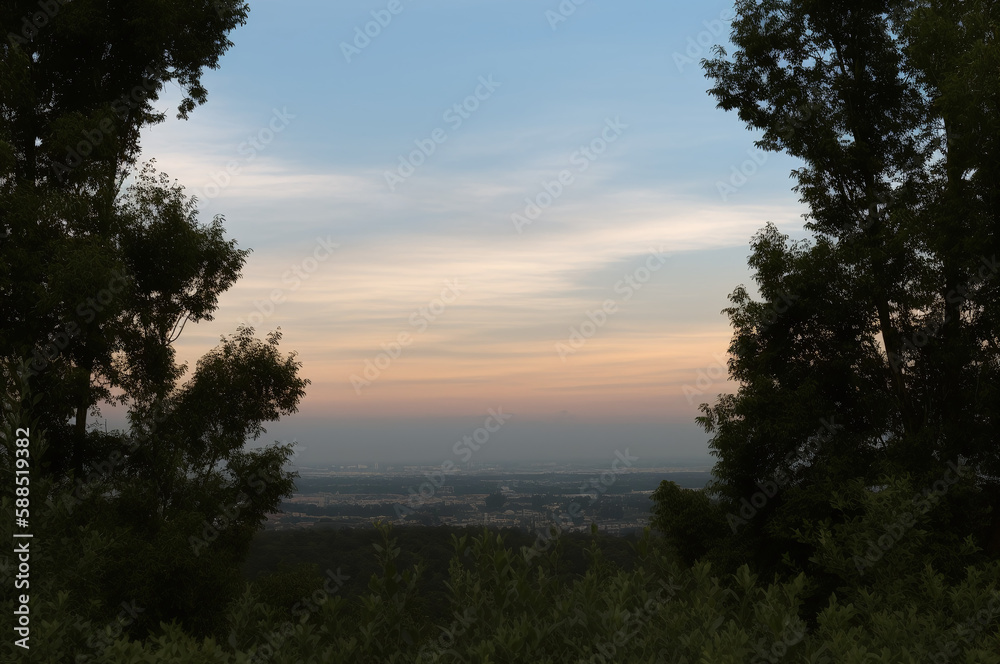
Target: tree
point(875, 348)
point(96, 283)
point(80, 78)
point(693, 522)
point(77, 85)
point(494, 502)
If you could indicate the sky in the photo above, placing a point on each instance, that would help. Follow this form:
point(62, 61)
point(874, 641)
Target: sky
point(517, 221)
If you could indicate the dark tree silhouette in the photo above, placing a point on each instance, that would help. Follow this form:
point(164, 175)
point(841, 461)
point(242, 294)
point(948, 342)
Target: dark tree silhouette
point(887, 361)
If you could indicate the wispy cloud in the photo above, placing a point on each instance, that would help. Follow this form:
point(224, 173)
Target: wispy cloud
point(321, 178)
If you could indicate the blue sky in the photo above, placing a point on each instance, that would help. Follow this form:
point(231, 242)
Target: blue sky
point(308, 138)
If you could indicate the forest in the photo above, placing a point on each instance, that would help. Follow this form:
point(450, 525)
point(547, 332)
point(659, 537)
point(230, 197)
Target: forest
point(854, 510)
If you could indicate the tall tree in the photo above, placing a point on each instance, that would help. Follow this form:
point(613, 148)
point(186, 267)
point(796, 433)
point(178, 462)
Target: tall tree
point(97, 280)
point(78, 83)
point(887, 361)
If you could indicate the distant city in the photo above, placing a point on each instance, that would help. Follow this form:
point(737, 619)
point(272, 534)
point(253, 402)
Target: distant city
point(613, 495)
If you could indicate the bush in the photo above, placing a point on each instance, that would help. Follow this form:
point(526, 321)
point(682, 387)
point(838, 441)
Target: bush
point(505, 607)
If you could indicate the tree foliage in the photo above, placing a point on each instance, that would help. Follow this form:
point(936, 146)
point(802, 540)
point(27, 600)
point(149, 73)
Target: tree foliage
point(102, 264)
point(494, 502)
point(695, 524)
point(886, 362)
point(97, 280)
point(504, 608)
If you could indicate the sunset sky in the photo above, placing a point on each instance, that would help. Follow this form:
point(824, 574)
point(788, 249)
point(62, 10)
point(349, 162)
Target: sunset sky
point(377, 183)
